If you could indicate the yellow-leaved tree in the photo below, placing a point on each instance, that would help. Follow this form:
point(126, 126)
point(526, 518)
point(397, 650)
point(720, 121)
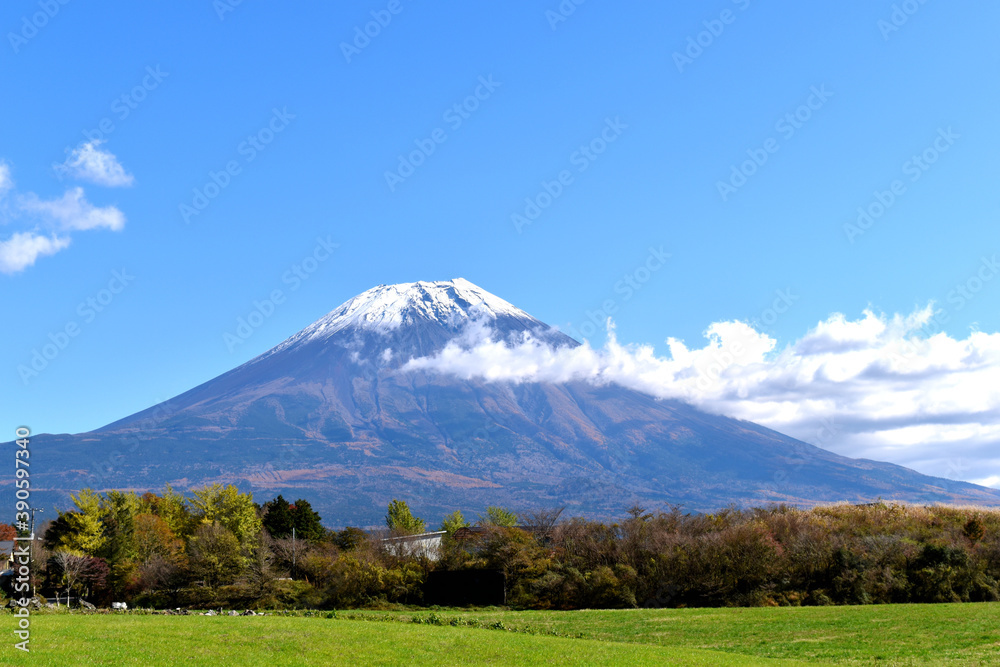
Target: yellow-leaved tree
point(86, 529)
point(233, 510)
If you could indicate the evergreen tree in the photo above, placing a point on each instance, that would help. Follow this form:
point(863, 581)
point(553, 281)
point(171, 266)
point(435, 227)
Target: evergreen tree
point(278, 518)
point(349, 538)
point(59, 531)
point(306, 521)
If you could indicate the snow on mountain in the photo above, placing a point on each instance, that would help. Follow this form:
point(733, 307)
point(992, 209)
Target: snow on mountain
point(448, 304)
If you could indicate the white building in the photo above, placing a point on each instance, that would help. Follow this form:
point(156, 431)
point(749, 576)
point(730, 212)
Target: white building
point(424, 544)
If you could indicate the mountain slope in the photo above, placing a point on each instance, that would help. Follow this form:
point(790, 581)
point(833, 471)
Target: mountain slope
point(329, 415)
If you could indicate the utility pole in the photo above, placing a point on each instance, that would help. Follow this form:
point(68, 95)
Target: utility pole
point(31, 546)
point(293, 552)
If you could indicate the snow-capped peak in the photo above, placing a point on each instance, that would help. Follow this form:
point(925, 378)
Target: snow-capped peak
point(387, 307)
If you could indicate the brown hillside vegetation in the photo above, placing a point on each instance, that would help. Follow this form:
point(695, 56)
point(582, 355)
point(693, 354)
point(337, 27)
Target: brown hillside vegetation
point(220, 548)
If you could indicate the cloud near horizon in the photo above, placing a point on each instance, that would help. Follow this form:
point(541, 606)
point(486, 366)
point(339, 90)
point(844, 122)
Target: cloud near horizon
point(876, 387)
point(50, 222)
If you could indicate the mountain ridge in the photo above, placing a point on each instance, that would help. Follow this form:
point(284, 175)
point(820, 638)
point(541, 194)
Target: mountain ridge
point(329, 415)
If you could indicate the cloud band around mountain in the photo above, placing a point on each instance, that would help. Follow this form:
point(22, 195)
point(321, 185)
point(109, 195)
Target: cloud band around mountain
point(875, 387)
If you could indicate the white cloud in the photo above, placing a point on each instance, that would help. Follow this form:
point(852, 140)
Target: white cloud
point(23, 248)
point(992, 480)
point(6, 182)
point(871, 388)
point(74, 212)
point(89, 163)
point(49, 222)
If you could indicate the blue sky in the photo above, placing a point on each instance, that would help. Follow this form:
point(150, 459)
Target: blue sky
point(302, 130)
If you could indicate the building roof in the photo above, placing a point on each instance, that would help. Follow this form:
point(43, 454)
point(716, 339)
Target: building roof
point(414, 538)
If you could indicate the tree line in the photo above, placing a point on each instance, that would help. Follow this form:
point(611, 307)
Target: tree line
point(217, 547)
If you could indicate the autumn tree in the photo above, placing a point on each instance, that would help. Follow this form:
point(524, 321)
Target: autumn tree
point(7, 532)
point(453, 522)
point(499, 516)
point(974, 529)
point(214, 554)
point(159, 554)
point(84, 528)
point(543, 521)
point(233, 510)
point(172, 507)
point(153, 537)
point(260, 575)
point(400, 519)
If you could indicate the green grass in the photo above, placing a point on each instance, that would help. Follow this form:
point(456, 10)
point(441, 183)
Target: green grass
point(63, 639)
point(944, 634)
point(941, 634)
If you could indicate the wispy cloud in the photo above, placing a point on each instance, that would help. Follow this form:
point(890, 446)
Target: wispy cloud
point(894, 393)
point(88, 162)
point(6, 183)
point(42, 227)
point(73, 212)
point(22, 249)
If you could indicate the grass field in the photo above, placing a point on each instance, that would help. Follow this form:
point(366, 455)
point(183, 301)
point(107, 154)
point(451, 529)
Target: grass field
point(940, 634)
point(964, 634)
point(224, 640)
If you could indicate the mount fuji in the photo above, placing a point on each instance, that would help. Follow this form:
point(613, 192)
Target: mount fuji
point(333, 415)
